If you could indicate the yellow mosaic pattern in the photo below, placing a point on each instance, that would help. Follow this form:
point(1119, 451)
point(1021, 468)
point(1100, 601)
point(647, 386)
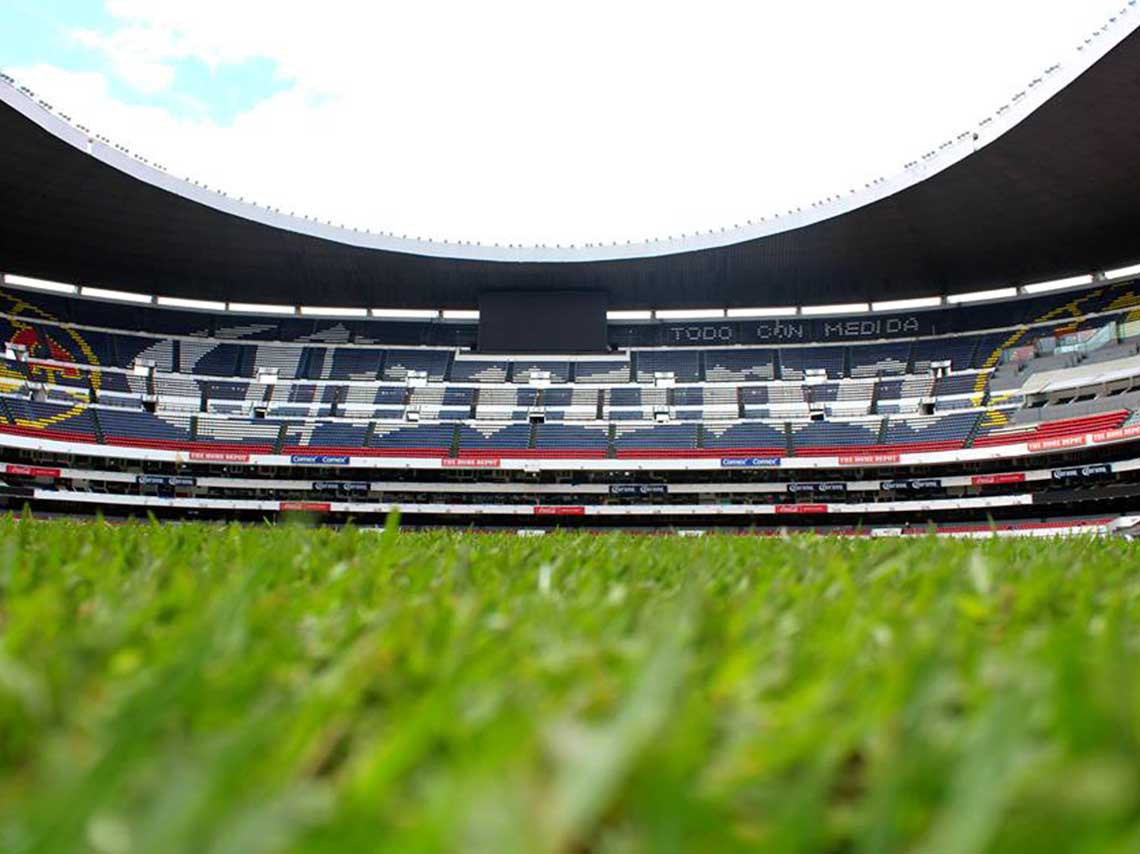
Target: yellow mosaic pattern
point(15, 307)
point(994, 417)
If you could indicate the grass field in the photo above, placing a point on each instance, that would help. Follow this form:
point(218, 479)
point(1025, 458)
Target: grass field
point(204, 689)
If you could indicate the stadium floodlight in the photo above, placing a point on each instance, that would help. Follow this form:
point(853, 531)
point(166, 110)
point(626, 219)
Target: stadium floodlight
point(260, 308)
point(40, 284)
point(405, 313)
point(629, 315)
point(1057, 284)
point(460, 314)
point(332, 311)
point(775, 311)
point(838, 308)
point(120, 296)
point(979, 296)
point(1123, 272)
point(181, 302)
point(690, 314)
point(906, 304)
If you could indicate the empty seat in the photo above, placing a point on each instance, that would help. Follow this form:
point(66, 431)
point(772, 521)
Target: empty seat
point(752, 436)
point(522, 372)
point(832, 436)
point(493, 437)
point(572, 439)
point(684, 365)
point(616, 371)
point(480, 371)
point(353, 363)
point(397, 363)
point(422, 439)
point(259, 433)
point(932, 432)
point(795, 362)
point(48, 418)
point(741, 365)
point(143, 428)
point(880, 360)
point(644, 440)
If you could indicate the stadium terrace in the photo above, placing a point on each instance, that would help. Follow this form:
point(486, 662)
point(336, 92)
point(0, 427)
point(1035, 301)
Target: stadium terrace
point(954, 347)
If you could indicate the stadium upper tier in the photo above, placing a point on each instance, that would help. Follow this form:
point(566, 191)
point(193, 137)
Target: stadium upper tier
point(1047, 188)
point(1055, 308)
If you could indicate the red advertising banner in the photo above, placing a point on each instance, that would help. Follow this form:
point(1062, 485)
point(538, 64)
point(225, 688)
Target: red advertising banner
point(471, 463)
point(994, 479)
point(549, 510)
point(218, 457)
point(800, 508)
point(1060, 442)
point(868, 459)
point(1117, 435)
point(31, 471)
point(306, 506)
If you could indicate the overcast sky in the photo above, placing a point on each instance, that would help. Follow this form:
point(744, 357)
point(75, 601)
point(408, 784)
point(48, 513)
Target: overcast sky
point(536, 122)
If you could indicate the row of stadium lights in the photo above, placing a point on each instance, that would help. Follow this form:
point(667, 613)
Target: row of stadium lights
point(967, 136)
point(844, 309)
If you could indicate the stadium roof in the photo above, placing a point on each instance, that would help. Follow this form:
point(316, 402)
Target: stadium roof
point(1047, 188)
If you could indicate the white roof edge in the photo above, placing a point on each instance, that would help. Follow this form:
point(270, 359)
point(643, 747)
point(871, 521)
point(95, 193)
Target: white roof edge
point(937, 160)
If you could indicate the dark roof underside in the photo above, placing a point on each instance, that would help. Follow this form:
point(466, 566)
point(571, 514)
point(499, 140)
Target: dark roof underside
point(1057, 195)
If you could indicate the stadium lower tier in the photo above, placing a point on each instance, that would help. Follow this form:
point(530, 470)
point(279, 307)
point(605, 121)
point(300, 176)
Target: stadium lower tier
point(1030, 492)
point(955, 438)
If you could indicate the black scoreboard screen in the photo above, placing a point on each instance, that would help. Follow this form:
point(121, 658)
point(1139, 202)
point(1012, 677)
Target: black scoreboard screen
point(542, 322)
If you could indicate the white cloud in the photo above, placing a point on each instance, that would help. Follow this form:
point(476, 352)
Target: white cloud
point(571, 122)
point(133, 56)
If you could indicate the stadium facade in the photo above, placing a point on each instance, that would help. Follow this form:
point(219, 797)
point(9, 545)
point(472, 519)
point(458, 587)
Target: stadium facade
point(909, 369)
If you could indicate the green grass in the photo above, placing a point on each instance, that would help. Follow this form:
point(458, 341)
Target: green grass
point(202, 689)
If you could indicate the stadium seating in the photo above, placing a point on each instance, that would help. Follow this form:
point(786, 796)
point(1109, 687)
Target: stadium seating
point(350, 385)
point(282, 361)
point(571, 440)
point(737, 366)
point(430, 440)
point(959, 384)
point(602, 371)
point(326, 436)
point(758, 438)
point(525, 372)
point(143, 429)
point(930, 433)
point(826, 438)
point(479, 371)
point(48, 419)
point(434, 363)
point(655, 441)
point(503, 439)
point(796, 361)
point(1000, 432)
point(352, 364)
point(958, 351)
point(260, 436)
point(683, 365)
point(880, 360)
